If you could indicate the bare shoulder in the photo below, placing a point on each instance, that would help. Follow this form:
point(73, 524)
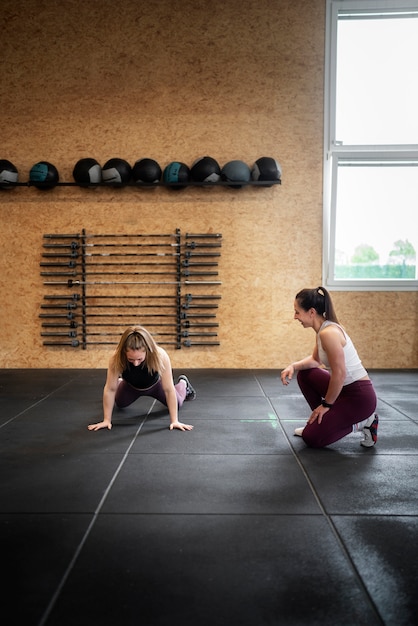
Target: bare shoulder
point(164, 356)
point(331, 334)
point(112, 374)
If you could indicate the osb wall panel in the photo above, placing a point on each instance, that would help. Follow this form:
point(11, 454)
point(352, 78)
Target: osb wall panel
point(174, 81)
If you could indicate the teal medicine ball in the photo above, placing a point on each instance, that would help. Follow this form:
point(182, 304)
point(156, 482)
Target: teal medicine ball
point(44, 175)
point(176, 173)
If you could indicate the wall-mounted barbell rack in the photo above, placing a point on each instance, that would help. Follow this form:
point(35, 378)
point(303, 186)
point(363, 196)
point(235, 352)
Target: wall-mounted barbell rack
point(99, 284)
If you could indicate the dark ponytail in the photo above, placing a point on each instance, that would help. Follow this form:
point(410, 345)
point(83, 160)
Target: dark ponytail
point(318, 299)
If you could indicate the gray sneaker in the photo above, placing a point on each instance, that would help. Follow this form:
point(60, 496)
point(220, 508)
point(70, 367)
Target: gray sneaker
point(190, 391)
point(370, 433)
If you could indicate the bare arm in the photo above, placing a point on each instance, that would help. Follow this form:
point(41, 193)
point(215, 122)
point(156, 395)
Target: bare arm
point(109, 393)
point(170, 394)
point(304, 364)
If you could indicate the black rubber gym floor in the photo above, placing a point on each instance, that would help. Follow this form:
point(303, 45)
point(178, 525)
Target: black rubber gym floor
point(235, 523)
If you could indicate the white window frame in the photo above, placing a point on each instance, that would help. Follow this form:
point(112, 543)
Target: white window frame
point(335, 152)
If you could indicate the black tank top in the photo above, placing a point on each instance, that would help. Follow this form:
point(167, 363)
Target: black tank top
point(139, 377)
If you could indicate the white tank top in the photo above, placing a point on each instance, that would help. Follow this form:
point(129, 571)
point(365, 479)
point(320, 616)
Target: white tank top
point(353, 366)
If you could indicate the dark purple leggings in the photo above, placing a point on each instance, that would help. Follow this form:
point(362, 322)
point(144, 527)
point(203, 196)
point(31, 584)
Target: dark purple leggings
point(355, 403)
point(126, 394)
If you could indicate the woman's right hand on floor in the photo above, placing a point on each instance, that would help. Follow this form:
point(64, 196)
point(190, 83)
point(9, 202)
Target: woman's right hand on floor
point(100, 425)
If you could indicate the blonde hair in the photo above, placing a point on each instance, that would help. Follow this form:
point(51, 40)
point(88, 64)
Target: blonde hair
point(137, 338)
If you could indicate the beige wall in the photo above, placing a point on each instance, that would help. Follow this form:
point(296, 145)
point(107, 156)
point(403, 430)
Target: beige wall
point(174, 81)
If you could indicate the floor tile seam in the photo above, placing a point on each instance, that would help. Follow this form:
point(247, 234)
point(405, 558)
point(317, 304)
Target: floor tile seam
point(374, 515)
point(80, 546)
point(193, 453)
point(34, 404)
point(92, 514)
point(352, 455)
point(395, 408)
point(329, 520)
point(329, 517)
point(204, 514)
point(298, 461)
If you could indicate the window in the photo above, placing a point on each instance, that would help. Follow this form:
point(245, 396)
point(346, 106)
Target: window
point(371, 145)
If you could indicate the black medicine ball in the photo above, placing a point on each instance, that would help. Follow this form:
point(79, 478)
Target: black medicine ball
point(266, 169)
point(87, 172)
point(8, 174)
point(116, 172)
point(146, 171)
point(205, 170)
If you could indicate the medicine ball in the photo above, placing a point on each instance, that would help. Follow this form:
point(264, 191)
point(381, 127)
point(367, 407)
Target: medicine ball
point(116, 172)
point(146, 171)
point(44, 175)
point(236, 171)
point(87, 172)
point(8, 174)
point(176, 172)
point(205, 170)
point(266, 168)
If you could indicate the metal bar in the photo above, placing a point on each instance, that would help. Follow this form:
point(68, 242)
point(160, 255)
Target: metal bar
point(196, 244)
point(71, 323)
point(76, 296)
point(199, 306)
point(70, 315)
point(186, 263)
point(75, 245)
point(60, 324)
point(73, 305)
point(160, 183)
point(72, 283)
point(103, 235)
point(73, 334)
point(68, 333)
point(190, 344)
point(75, 343)
point(203, 235)
point(74, 254)
point(87, 273)
point(188, 254)
point(73, 264)
point(189, 297)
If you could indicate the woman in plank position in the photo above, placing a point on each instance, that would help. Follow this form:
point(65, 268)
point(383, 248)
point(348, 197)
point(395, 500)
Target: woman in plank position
point(140, 367)
point(333, 379)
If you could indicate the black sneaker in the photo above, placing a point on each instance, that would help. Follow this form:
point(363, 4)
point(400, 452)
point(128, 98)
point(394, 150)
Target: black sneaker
point(190, 392)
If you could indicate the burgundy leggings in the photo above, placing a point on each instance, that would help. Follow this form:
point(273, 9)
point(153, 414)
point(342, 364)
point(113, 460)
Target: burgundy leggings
point(355, 403)
point(126, 394)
